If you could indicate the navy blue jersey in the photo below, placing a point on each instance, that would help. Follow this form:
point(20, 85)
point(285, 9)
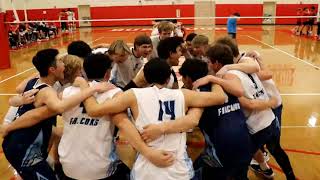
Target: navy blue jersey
point(224, 128)
point(29, 146)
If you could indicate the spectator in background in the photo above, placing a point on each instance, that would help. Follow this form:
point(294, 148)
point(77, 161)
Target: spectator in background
point(63, 16)
point(305, 21)
point(312, 12)
point(296, 30)
point(189, 53)
point(232, 25)
point(318, 31)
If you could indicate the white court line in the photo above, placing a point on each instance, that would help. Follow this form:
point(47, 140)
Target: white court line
point(2, 81)
point(95, 40)
point(4, 94)
point(296, 58)
point(291, 127)
point(300, 94)
point(16, 75)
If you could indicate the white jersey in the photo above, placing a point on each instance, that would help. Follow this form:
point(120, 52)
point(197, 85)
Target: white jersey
point(86, 148)
point(155, 106)
point(253, 89)
point(269, 85)
point(124, 72)
point(155, 42)
point(272, 90)
point(70, 16)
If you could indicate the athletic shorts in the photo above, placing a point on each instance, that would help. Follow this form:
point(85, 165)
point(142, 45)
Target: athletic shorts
point(41, 170)
point(266, 135)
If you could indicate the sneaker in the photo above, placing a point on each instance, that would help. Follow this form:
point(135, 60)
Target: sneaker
point(266, 156)
point(266, 173)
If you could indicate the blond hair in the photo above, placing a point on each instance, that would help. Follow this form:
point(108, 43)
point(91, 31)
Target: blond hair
point(72, 64)
point(200, 40)
point(165, 26)
point(119, 47)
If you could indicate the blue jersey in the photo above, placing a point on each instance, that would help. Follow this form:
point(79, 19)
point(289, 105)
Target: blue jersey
point(224, 128)
point(29, 146)
point(232, 25)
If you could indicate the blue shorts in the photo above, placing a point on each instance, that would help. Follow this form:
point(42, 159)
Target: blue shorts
point(41, 170)
point(266, 135)
point(278, 113)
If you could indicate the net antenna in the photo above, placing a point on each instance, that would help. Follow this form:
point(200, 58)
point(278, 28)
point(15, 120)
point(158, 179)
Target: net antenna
point(15, 14)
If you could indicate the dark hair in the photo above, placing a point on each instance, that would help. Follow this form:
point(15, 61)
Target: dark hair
point(96, 65)
point(220, 53)
point(169, 20)
point(190, 36)
point(231, 43)
point(157, 71)
point(168, 45)
point(140, 40)
point(236, 14)
point(45, 59)
point(194, 68)
point(79, 48)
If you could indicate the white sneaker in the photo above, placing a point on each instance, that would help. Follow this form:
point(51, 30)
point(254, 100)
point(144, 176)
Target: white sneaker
point(266, 158)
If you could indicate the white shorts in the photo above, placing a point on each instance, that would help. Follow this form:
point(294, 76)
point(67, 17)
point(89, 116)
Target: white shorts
point(143, 169)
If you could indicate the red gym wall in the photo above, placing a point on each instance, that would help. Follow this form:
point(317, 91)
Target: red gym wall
point(39, 14)
point(159, 11)
point(4, 44)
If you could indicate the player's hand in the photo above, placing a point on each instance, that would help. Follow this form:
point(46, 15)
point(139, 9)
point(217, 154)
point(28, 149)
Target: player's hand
point(160, 158)
point(203, 81)
point(80, 82)
point(273, 102)
point(151, 132)
point(222, 71)
point(254, 55)
point(103, 87)
point(28, 97)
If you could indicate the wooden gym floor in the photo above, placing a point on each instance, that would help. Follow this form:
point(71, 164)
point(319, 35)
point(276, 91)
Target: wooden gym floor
point(294, 60)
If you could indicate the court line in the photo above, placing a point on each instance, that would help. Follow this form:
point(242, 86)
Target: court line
point(290, 127)
point(300, 94)
point(16, 75)
point(302, 151)
point(2, 81)
point(280, 50)
point(279, 169)
point(96, 40)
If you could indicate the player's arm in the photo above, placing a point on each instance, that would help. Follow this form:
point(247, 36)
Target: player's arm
point(264, 73)
point(24, 98)
point(230, 83)
point(49, 97)
point(20, 88)
point(28, 119)
point(157, 157)
point(246, 65)
point(182, 124)
point(257, 104)
point(138, 81)
point(111, 106)
point(204, 99)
